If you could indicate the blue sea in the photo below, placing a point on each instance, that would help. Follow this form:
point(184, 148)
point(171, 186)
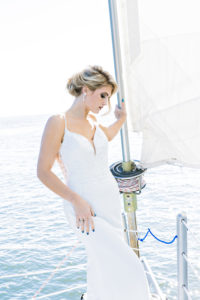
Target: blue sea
point(39, 255)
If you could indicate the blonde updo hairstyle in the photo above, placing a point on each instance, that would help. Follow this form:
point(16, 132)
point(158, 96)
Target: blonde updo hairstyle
point(93, 77)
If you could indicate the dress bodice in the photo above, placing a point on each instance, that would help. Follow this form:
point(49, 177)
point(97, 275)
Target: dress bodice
point(80, 160)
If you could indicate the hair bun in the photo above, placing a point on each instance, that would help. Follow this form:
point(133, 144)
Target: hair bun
point(93, 77)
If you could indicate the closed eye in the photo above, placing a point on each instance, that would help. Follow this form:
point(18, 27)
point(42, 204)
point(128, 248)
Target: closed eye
point(103, 95)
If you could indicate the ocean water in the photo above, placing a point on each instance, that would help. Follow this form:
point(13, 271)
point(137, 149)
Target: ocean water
point(40, 254)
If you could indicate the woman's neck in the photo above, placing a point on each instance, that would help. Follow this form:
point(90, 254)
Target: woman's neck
point(78, 110)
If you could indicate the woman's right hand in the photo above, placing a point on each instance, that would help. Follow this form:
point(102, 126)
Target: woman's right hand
point(83, 211)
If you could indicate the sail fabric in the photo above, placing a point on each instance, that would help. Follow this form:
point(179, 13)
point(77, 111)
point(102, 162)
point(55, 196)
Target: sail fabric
point(161, 72)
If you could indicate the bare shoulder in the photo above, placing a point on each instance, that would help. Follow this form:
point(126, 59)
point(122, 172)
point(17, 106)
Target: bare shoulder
point(56, 120)
point(55, 123)
point(51, 141)
point(54, 127)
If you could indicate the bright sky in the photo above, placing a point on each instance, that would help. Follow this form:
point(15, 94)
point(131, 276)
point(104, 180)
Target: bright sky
point(44, 42)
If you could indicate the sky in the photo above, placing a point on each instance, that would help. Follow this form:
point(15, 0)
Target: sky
point(44, 42)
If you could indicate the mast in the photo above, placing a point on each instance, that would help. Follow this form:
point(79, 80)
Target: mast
point(130, 199)
point(118, 74)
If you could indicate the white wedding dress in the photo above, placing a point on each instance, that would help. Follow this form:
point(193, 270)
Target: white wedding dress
point(114, 272)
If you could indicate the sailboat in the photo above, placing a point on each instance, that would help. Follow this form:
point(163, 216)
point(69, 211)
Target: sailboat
point(157, 68)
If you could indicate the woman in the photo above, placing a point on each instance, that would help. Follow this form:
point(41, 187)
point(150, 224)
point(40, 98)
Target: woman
point(91, 197)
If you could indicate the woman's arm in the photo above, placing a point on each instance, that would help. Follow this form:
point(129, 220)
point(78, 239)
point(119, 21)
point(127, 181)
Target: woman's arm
point(50, 144)
point(112, 130)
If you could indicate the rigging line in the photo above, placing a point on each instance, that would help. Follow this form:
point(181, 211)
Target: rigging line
point(149, 231)
point(135, 249)
point(196, 272)
point(57, 268)
point(189, 229)
point(187, 292)
point(63, 291)
point(42, 272)
point(164, 278)
point(139, 231)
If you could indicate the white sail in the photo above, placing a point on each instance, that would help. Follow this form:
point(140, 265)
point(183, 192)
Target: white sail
point(161, 72)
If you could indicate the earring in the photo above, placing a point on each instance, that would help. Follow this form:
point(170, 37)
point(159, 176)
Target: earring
point(84, 94)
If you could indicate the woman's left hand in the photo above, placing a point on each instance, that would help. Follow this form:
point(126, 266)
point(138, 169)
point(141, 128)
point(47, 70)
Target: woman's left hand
point(120, 113)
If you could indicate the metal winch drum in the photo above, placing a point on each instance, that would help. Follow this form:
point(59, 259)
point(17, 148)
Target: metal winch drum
point(131, 181)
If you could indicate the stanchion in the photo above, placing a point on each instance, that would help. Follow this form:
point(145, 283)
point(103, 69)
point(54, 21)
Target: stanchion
point(182, 266)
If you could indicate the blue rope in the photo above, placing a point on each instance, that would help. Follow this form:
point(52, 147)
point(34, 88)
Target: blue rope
point(149, 231)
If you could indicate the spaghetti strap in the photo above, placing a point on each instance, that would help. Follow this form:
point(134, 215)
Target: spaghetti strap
point(65, 120)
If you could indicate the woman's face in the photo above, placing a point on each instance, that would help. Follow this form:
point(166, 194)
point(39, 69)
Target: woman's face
point(96, 100)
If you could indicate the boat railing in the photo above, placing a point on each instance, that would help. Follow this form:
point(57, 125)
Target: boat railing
point(182, 265)
point(182, 258)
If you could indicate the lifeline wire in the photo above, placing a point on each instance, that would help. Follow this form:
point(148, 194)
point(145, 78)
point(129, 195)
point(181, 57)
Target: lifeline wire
point(57, 268)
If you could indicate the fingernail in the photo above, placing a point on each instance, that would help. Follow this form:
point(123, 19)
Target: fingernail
point(93, 229)
point(122, 100)
point(87, 232)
